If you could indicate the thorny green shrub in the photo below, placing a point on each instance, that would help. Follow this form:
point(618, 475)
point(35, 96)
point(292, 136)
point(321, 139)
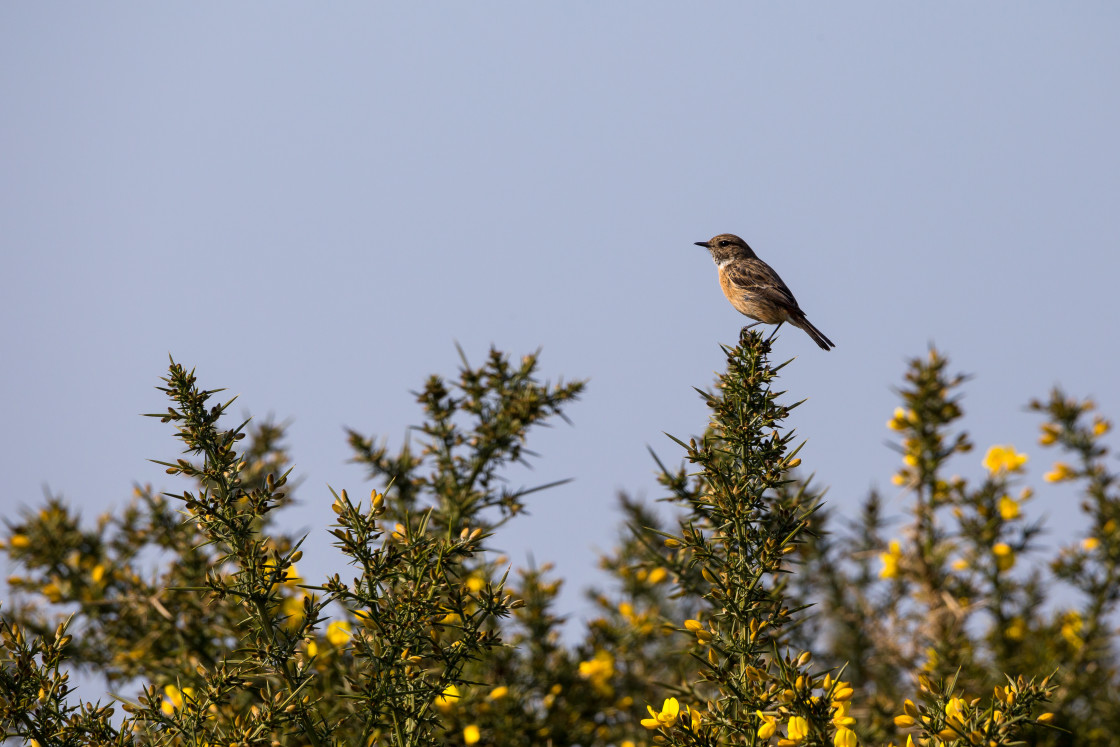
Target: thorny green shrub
point(753, 617)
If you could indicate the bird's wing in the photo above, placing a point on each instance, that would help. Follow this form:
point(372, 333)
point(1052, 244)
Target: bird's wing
point(758, 279)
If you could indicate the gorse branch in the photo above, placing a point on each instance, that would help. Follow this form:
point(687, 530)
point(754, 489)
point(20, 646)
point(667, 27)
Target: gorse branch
point(252, 571)
point(472, 430)
point(739, 528)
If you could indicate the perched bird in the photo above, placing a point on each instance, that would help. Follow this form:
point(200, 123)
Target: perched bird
point(754, 289)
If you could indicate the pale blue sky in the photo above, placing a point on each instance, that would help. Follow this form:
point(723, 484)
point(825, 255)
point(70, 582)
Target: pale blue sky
point(312, 202)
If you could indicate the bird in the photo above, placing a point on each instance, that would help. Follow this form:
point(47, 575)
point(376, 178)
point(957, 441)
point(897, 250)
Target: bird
point(754, 289)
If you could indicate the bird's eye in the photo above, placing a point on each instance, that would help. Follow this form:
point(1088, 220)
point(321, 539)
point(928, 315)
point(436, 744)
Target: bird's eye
point(725, 242)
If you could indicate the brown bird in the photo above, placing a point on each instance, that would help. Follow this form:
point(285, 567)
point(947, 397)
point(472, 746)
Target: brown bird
point(754, 289)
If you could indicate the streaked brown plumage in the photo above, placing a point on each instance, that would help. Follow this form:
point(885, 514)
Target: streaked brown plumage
point(754, 289)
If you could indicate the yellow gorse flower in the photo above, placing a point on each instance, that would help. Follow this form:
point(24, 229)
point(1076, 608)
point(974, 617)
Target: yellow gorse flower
point(1000, 459)
point(797, 729)
point(1101, 426)
point(1060, 473)
point(768, 727)
point(471, 734)
point(1005, 556)
point(598, 671)
point(175, 698)
point(844, 736)
point(901, 419)
point(890, 560)
point(338, 632)
point(703, 635)
point(666, 718)
point(693, 718)
point(53, 592)
point(1072, 625)
point(601, 665)
point(840, 715)
point(446, 700)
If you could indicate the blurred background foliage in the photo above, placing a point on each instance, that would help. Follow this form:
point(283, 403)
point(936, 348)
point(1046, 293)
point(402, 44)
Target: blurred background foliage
point(753, 615)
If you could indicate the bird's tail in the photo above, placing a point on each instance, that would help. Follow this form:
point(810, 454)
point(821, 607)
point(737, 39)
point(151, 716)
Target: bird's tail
point(816, 334)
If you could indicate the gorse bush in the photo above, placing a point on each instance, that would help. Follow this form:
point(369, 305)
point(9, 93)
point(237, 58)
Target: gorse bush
point(755, 616)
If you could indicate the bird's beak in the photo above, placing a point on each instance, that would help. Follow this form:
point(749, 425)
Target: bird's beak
point(701, 243)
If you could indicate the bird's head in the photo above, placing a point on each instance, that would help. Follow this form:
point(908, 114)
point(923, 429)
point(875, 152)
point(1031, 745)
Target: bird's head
point(726, 247)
